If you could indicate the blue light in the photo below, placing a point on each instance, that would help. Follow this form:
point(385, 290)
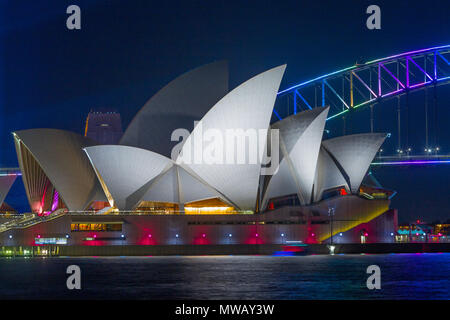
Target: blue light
point(10, 236)
point(276, 113)
point(230, 235)
point(176, 235)
point(340, 234)
point(282, 234)
point(122, 236)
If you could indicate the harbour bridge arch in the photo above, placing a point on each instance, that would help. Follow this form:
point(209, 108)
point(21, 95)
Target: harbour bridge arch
point(367, 84)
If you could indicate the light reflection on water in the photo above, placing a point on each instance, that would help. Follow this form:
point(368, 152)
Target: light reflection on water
point(403, 276)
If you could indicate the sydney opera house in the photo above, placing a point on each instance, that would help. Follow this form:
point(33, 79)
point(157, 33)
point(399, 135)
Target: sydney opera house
point(202, 165)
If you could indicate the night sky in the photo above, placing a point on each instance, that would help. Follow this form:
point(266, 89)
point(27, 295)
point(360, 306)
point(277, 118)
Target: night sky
point(127, 50)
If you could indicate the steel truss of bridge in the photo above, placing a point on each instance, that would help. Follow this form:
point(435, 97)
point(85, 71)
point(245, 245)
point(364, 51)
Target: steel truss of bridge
point(368, 83)
point(406, 160)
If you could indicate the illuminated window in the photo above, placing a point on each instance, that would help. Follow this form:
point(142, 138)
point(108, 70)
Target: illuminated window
point(74, 227)
point(209, 206)
point(50, 240)
point(153, 207)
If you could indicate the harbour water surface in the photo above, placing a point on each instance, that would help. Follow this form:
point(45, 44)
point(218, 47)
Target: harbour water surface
point(403, 276)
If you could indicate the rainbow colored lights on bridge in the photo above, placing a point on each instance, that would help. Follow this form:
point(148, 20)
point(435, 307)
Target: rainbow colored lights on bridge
point(417, 162)
point(380, 82)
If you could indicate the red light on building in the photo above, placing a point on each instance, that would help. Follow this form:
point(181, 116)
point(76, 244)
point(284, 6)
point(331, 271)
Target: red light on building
point(343, 192)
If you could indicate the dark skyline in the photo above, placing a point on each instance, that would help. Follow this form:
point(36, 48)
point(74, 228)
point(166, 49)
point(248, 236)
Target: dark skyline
point(127, 50)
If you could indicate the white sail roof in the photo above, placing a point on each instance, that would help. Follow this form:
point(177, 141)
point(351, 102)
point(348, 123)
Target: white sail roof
point(328, 175)
point(6, 181)
point(300, 138)
point(177, 105)
point(125, 170)
point(354, 153)
point(59, 154)
point(248, 108)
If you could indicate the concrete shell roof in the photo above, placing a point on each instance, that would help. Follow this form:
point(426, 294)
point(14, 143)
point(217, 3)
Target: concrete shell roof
point(60, 155)
point(5, 184)
point(328, 175)
point(354, 153)
point(125, 170)
point(300, 139)
point(249, 106)
point(177, 105)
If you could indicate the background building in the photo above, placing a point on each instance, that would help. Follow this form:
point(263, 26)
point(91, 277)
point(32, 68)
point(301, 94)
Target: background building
point(104, 127)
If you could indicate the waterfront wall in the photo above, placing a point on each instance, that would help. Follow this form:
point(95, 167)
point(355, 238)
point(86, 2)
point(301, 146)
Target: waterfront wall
point(308, 224)
point(194, 250)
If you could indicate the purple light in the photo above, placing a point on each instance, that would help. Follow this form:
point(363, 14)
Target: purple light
point(365, 85)
point(392, 75)
point(368, 63)
point(391, 93)
point(411, 162)
point(429, 77)
point(407, 72)
point(55, 200)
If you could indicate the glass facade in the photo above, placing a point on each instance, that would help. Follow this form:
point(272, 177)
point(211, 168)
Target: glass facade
point(74, 227)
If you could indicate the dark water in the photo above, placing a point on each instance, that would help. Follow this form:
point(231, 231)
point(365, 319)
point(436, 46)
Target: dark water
point(403, 276)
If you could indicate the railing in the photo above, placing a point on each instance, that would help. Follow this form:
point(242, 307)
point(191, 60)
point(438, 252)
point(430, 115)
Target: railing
point(28, 220)
point(145, 213)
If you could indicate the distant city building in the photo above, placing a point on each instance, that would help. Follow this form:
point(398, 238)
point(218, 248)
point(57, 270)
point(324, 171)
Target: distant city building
point(104, 127)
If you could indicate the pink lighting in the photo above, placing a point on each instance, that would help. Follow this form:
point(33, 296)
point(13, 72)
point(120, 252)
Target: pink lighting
point(256, 235)
point(203, 235)
point(95, 236)
point(149, 235)
point(55, 200)
point(39, 236)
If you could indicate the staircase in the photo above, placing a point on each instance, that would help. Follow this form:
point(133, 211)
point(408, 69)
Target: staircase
point(30, 219)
